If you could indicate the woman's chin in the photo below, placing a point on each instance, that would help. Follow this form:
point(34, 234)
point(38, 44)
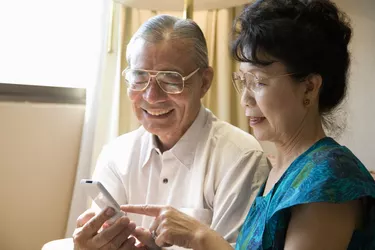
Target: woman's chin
point(260, 135)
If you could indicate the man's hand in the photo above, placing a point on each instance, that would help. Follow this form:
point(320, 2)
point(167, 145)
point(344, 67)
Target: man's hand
point(115, 236)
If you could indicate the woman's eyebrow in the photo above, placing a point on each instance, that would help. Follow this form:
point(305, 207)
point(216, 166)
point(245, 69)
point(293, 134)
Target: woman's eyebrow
point(254, 70)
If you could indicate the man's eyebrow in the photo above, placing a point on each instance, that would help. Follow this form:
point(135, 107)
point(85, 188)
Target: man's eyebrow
point(170, 68)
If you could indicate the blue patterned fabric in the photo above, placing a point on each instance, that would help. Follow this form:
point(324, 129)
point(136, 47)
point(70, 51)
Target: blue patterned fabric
point(327, 172)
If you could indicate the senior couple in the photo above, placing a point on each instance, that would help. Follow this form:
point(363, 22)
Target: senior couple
point(188, 180)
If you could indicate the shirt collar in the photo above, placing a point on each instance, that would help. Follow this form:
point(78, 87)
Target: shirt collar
point(148, 146)
point(184, 150)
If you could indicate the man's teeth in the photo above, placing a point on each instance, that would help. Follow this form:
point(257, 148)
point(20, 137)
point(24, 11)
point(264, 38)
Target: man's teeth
point(157, 113)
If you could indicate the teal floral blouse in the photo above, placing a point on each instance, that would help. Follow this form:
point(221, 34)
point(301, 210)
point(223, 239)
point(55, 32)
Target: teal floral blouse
point(327, 172)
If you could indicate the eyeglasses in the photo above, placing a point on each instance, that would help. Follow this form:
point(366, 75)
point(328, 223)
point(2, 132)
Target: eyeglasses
point(170, 82)
point(249, 81)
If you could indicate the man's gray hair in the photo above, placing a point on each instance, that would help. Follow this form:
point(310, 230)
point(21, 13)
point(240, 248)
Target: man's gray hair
point(165, 27)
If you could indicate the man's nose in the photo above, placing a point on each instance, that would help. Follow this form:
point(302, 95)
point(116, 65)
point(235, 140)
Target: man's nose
point(153, 93)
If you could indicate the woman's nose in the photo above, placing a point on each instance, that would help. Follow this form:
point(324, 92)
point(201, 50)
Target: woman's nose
point(247, 98)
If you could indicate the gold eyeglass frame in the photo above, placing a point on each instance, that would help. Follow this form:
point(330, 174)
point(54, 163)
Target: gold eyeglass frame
point(154, 73)
point(237, 76)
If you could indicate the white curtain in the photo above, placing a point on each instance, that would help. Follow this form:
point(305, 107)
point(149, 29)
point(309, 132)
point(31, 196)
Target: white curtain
point(100, 119)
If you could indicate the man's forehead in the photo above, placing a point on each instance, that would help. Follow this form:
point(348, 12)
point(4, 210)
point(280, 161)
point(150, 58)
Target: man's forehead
point(168, 54)
point(182, 45)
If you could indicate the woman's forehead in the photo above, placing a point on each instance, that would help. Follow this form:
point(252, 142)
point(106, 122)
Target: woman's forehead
point(273, 68)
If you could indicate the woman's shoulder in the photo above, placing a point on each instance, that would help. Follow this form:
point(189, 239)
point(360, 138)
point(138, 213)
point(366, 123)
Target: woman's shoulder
point(327, 159)
point(330, 160)
point(327, 172)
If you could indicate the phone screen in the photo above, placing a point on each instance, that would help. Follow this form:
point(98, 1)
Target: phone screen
point(100, 196)
point(103, 201)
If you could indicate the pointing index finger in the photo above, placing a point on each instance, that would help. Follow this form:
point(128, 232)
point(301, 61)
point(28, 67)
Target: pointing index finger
point(149, 210)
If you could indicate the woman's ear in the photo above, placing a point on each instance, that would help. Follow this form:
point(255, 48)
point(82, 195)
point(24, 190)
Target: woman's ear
point(313, 83)
point(207, 76)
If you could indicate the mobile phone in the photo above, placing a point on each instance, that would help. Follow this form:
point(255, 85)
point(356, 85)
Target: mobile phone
point(101, 197)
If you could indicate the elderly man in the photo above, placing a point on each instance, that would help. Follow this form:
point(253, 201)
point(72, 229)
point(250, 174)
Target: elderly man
point(182, 155)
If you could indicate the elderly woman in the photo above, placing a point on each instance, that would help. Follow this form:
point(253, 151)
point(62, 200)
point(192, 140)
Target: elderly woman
point(293, 74)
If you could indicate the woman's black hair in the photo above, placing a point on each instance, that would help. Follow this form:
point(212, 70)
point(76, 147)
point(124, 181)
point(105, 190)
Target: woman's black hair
point(309, 37)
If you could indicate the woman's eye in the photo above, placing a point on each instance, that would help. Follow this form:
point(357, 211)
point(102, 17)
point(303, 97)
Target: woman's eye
point(259, 84)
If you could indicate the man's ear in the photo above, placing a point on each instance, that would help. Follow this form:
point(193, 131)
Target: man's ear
point(312, 88)
point(207, 76)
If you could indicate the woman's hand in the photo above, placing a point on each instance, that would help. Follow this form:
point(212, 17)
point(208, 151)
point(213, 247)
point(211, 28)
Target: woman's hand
point(172, 227)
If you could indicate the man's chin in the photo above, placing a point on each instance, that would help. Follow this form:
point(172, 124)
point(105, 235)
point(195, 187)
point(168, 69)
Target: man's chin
point(159, 130)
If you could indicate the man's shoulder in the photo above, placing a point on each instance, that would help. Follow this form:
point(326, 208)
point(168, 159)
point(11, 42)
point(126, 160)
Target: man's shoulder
point(229, 133)
point(128, 140)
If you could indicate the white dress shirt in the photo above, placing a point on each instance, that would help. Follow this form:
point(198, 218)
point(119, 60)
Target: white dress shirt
point(213, 173)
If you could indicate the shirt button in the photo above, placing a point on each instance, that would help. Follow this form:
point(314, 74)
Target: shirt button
point(165, 180)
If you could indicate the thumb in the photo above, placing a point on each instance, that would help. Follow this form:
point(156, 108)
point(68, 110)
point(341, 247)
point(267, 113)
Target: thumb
point(85, 217)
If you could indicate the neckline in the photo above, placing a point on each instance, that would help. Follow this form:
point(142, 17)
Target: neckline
point(184, 149)
point(292, 166)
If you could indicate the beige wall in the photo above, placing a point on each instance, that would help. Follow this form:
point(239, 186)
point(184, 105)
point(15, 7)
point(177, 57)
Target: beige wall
point(359, 135)
point(39, 147)
point(360, 132)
